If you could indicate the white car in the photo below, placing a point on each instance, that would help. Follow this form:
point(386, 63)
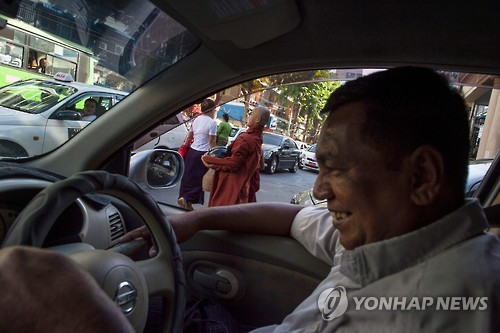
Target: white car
point(235, 132)
point(170, 134)
point(309, 159)
point(37, 116)
point(303, 148)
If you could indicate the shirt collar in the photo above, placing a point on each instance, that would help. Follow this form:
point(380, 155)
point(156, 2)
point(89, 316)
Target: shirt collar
point(374, 261)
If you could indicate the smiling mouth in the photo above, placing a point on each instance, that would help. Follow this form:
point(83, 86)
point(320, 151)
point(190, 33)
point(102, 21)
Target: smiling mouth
point(339, 216)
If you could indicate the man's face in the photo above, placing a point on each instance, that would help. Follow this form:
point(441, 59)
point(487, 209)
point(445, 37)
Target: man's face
point(253, 119)
point(368, 201)
point(89, 107)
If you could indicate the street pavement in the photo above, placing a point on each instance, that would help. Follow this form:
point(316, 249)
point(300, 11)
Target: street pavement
point(279, 187)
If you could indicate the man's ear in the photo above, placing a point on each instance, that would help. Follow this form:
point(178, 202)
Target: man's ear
point(258, 120)
point(427, 175)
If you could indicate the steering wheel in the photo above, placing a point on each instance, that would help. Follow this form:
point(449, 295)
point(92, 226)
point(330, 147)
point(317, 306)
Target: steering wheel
point(127, 282)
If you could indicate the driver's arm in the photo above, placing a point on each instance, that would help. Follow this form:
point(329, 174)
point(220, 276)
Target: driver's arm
point(258, 218)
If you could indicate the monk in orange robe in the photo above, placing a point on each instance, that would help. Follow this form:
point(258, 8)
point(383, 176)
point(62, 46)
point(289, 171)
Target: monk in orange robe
point(232, 176)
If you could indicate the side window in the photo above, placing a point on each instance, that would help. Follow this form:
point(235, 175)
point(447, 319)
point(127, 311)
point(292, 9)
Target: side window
point(106, 103)
point(79, 105)
point(37, 61)
point(172, 120)
point(55, 65)
point(11, 54)
point(289, 143)
point(103, 104)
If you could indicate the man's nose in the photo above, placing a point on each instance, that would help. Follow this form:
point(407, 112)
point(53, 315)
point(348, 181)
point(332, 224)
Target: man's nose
point(321, 189)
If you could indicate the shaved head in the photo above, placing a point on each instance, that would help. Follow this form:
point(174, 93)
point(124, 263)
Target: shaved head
point(262, 115)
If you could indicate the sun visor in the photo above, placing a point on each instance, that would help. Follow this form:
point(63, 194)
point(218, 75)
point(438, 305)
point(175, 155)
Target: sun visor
point(222, 19)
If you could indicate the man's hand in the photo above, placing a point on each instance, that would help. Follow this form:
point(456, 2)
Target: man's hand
point(138, 233)
point(185, 226)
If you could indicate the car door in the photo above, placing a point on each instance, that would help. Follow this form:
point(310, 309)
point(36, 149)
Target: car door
point(295, 151)
point(488, 194)
point(287, 153)
point(242, 272)
point(60, 129)
point(169, 134)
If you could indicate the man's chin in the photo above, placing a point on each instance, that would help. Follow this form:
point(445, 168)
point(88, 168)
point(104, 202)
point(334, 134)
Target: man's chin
point(349, 243)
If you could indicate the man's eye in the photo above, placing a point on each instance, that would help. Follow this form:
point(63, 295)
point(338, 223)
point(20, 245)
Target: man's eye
point(333, 170)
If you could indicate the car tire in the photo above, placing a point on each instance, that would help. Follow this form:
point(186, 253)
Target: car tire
point(295, 167)
point(11, 149)
point(273, 165)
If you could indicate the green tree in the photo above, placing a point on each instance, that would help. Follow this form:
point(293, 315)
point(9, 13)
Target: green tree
point(307, 89)
point(309, 98)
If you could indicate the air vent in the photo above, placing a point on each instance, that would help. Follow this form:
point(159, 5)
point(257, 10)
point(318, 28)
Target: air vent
point(115, 226)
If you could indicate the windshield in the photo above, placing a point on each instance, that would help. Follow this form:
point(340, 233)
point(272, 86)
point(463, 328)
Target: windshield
point(233, 132)
point(312, 149)
point(34, 96)
point(271, 139)
point(100, 45)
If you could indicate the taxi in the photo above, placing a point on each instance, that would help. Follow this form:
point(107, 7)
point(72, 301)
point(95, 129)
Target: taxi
point(37, 116)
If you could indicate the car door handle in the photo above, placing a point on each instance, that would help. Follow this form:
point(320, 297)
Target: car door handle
point(221, 282)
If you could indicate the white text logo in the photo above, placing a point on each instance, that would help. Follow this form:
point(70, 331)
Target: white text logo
point(421, 303)
point(332, 303)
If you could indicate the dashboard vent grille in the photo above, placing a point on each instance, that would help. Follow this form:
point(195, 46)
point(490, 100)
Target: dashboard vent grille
point(115, 226)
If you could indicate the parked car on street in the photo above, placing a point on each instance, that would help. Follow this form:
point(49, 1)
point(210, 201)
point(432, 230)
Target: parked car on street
point(48, 111)
point(303, 147)
point(309, 159)
point(279, 152)
point(235, 132)
point(170, 134)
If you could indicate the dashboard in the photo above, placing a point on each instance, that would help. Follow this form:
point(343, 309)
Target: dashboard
point(8, 215)
point(97, 220)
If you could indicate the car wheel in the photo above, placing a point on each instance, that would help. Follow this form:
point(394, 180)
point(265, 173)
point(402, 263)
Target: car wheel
point(273, 165)
point(110, 268)
point(11, 149)
point(295, 167)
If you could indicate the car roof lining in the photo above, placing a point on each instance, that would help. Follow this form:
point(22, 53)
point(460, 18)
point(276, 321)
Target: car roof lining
point(222, 20)
point(367, 42)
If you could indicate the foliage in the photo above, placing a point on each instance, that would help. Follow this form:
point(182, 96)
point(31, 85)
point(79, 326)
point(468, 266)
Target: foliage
point(303, 92)
point(310, 98)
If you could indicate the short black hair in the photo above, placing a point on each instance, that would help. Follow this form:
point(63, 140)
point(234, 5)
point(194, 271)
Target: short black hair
point(225, 116)
point(207, 105)
point(408, 107)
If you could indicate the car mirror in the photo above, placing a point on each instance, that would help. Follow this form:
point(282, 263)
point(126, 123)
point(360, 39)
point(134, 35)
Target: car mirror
point(156, 169)
point(67, 115)
point(286, 147)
